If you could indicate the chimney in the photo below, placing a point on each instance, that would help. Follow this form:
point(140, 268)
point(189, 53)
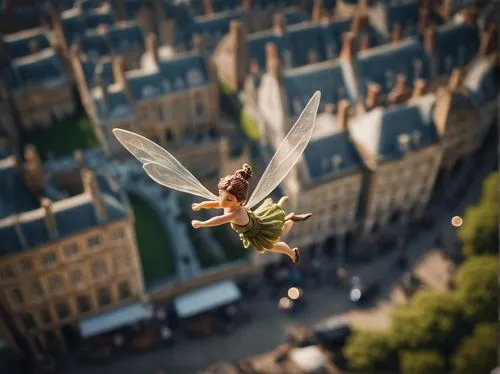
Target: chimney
point(90, 186)
point(254, 67)
point(489, 39)
point(347, 52)
point(360, 22)
point(237, 37)
point(362, 6)
point(50, 220)
point(343, 114)
point(316, 10)
point(208, 7)
point(372, 95)
point(445, 9)
point(364, 42)
point(396, 34)
point(455, 80)
point(33, 168)
point(470, 15)
point(198, 44)
point(419, 88)
point(103, 86)
point(423, 19)
point(151, 48)
point(430, 39)
point(118, 66)
point(247, 5)
point(404, 142)
point(278, 24)
point(272, 59)
point(33, 46)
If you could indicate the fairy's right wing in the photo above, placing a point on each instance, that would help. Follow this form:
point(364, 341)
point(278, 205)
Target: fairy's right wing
point(161, 166)
point(288, 153)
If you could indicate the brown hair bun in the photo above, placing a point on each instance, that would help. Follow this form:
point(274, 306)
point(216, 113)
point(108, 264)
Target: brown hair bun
point(245, 172)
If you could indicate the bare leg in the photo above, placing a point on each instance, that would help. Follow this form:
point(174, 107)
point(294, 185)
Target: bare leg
point(287, 226)
point(282, 201)
point(282, 247)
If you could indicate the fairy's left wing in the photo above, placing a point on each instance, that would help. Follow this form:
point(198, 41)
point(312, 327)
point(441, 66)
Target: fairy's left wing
point(288, 152)
point(161, 166)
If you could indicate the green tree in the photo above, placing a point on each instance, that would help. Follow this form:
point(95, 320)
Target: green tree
point(479, 232)
point(477, 288)
point(478, 353)
point(422, 362)
point(369, 352)
point(431, 321)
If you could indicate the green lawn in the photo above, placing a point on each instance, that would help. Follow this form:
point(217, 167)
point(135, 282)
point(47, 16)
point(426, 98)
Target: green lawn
point(233, 249)
point(155, 249)
point(63, 138)
point(249, 127)
point(204, 254)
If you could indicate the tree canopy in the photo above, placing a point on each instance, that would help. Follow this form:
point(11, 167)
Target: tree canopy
point(479, 232)
point(422, 362)
point(478, 352)
point(429, 321)
point(477, 288)
point(369, 351)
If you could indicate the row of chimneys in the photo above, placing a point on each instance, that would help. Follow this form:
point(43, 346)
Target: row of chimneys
point(90, 187)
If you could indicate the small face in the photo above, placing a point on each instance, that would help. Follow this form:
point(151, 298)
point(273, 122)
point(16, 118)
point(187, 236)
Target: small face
point(228, 200)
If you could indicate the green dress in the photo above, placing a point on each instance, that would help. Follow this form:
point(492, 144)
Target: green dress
point(264, 227)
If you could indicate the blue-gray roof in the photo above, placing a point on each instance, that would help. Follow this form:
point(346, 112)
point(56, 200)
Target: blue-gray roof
point(95, 45)
point(456, 46)
point(381, 64)
point(46, 70)
point(482, 81)
point(125, 37)
point(15, 196)
point(117, 107)
point(73, 28)
point(19, 45)
point(320, 153)
point(378, 130)
point(89, 70)
point(98, 18)
point(70, 220)
point(301, 83)
point(325, 39)
point(75, 24)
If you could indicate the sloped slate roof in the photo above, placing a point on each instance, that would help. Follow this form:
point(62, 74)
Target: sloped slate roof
point(482, 81)
point(18, 44)
point(378, 130)
point(89, 69)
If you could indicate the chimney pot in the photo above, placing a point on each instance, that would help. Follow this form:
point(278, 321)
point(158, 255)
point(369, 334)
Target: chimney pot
point(152, 47)
point(454, 81)
point(247, 5)
point(272, 58)
point(396, 34)
point(90, 186)
point(419, 87)
point(347, 52)
point(208, 7)
point(373, 95)
point(198, 44)
point(404, 142)
point(50, 220)
point(364, 42)
point(343, 114)
point(279, 24)
point(430, 39)
point(316, 11)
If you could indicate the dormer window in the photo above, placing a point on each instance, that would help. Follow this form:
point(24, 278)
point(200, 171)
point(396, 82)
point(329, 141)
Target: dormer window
point(448, 63)
point(331, 50)
point(389, 79)
point(167, 86)
point(179, 83)
point(148, 91)
point(194, 77)
point(297, 105)
point(417, 68)
point(313, 56)
point(287, 57)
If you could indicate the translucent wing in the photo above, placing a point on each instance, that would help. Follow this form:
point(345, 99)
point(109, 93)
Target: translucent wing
point(161, 166)
point(288, 152)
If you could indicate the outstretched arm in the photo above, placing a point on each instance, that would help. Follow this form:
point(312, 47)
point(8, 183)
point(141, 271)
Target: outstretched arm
point(215, 221)
point(205, 205)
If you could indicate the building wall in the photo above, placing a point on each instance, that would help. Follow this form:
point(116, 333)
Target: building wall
point(41, 106)
point(403, 186)
point(334, 204)
point(70, 279)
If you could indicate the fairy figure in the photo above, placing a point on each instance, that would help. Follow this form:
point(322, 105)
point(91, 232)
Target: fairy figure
point(261, 228)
